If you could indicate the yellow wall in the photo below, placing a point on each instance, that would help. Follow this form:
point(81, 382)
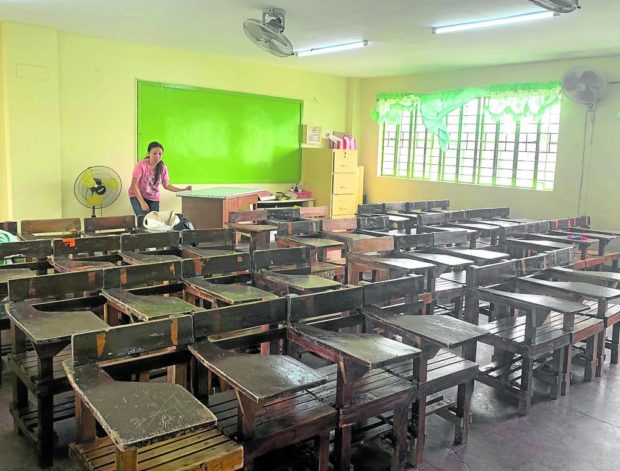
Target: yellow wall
point(96, 94)
point(31, 123)
point(601, 190)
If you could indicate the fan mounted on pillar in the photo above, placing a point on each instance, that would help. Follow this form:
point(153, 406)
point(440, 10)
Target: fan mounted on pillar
point(97, 187)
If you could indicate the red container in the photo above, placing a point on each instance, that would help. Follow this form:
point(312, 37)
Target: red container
point(304, 194)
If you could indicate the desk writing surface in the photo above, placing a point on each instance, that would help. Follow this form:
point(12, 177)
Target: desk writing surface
point(476, 254)
point(301, 282)
point(595, 275)
point(135, 414)
point(314, 241)
point(397, 262)
point(261, 378)
point(445, 331)
point(589, 235)
point(440, 259)
point(530, 301)
point(231, 293)
point(370, 350)
point(7, 274)
point(148, 307)
point(220, 192)
point(539, 244)
point(575, 287)
point(43, 327)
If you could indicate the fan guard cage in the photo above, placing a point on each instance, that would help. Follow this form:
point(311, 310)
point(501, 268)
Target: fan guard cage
point(97, 187)
point(558, 6)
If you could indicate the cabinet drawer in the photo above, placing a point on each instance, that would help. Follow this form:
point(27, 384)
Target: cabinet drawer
point(345, 160)
point(343, 204)
point(344, 183)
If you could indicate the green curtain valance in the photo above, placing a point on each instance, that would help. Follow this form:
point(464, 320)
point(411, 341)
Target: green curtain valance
point(518, 100)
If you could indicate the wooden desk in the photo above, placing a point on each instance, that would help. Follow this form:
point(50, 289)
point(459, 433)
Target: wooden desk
point(209, 208)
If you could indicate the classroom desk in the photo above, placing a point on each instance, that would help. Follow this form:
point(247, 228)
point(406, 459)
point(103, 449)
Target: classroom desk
point(209, 208)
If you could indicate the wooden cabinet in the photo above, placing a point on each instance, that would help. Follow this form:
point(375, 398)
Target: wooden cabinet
point(332, 177)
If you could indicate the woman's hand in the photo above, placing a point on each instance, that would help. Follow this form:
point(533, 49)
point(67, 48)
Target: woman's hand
point(144, 206)
point(187, 188)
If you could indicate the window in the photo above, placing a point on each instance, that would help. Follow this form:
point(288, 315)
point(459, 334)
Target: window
point(520, 154)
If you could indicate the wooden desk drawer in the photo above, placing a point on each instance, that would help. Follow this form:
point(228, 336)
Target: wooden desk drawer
point(344, 183)
point(345, 160)
point(343, 204)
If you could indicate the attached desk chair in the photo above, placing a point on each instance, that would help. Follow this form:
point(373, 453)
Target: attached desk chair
point(283, 271)
point(359, 385)
point(40, 319)
point(86, 253)
point(223, 280)
point(440, 369)
point(145, 292)
point(160, 425)
point(205, 243)
point(151, 247)
point(109, 225)
point(50, 228)
point(269, 406)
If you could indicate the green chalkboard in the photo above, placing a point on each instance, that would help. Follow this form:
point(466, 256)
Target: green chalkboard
point(217, 136)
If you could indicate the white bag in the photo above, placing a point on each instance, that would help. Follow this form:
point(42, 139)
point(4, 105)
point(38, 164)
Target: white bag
point(160, 221)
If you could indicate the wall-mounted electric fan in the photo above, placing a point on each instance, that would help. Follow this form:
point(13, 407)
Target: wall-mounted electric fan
point(584, 85)
point(268, 34)
point(97, 187)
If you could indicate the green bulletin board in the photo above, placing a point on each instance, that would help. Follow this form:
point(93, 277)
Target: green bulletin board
point(217, 136)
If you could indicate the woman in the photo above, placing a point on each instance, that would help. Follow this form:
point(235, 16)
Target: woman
point(147, 175)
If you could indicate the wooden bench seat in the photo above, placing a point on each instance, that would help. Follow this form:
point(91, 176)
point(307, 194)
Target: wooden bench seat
point(26, 365)
point(289, 415)
point(375, 387)
point(189, 452)
point(444, 371)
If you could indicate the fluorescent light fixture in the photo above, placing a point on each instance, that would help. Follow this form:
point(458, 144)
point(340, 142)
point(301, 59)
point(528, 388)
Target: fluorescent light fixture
point(336, 48)
point(496, 22)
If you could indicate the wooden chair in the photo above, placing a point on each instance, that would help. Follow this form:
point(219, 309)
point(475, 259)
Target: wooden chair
point(283, 271)
point(440, 369)
point(45, 311)
point(145, 292)
point(205, 243)
point(549, 326)
point(87, 253)
point(50, 228)
point(258, 225)
point(223, 280)
point(109, 225)
point(151, 247)
point(160, 425)
point(269, 406)
point(345, 231)
point(598, 288)
point(359, 385)
point(326, 254)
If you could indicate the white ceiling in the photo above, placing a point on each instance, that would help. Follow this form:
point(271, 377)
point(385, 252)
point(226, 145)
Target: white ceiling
point(399, 31)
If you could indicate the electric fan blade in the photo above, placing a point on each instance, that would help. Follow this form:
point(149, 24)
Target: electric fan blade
point(94, 200)
point(110, 183)
point(88, 179)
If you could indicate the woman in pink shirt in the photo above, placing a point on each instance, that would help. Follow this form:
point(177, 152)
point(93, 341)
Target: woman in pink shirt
point(147, 175)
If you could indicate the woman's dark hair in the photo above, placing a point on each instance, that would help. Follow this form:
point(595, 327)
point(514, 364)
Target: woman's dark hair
point(160, 165)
